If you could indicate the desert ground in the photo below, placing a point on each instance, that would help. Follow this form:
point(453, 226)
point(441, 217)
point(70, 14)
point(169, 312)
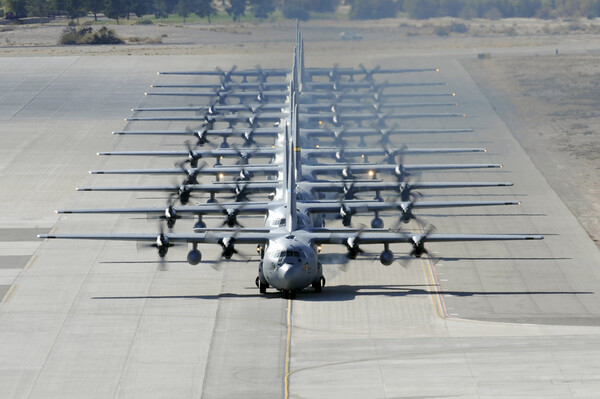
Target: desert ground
point(540, 75)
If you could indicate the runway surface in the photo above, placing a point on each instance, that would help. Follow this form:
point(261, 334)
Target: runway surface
point(98, 319)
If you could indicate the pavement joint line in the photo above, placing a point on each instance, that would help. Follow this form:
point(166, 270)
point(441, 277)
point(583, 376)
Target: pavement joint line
point(31, 262)
point(288, 344)
point(9, 294)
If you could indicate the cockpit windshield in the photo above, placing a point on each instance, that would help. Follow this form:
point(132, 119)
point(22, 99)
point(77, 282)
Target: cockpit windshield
point(278, 222)
point(283, 255)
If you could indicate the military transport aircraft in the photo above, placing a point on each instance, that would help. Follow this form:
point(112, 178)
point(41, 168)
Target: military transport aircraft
point(289, 242)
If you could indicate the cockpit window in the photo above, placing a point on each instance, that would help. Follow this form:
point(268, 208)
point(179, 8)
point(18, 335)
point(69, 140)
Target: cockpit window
point(278, 222)
point(283, 255)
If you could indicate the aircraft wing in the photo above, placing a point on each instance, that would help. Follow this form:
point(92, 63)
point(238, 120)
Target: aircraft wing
point(363, 168)
point(390, 237)
point(373, 206)
point(208, 237)
point(218, 152)
point(208, 187)
point(359, 132)
point(328, 152)
point(213, 170)
point(246, 207)
point(257, 131)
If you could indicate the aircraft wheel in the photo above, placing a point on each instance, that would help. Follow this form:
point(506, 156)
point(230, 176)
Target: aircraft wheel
point(257, 281)
point(289, 294)
point(262, 287)
point(318, 285)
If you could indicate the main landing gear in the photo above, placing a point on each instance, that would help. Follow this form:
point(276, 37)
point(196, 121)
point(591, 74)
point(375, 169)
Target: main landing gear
point(319, 284)
point(262, 287)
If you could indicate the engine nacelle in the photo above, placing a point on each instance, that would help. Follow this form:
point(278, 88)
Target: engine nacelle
point(199, 225)
point(386, 257)
point(377, 223)
point(194, 257)
point(346, 173)
point(184, 195)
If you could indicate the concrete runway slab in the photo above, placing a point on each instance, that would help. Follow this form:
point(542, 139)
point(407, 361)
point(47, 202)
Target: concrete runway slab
point(99, 319)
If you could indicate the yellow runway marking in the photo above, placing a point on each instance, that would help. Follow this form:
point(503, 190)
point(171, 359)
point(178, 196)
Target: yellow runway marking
point(31, 262)
point(435, 295)
point(288, 344)
point(9, 294)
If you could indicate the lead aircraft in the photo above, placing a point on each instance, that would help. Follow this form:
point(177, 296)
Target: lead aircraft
point(289, 242)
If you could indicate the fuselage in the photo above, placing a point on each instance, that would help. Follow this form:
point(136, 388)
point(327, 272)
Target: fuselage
point(290, 264)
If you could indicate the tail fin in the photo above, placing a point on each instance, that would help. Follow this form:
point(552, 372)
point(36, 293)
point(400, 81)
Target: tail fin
point(293, 165)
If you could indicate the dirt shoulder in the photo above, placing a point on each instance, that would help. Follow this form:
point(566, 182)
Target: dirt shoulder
point(387, 35)
point(551, 104)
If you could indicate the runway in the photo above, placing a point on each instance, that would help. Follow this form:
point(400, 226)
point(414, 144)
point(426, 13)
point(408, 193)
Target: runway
point(98, 319)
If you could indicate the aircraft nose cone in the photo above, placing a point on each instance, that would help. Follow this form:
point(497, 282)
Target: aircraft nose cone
point(289, 276)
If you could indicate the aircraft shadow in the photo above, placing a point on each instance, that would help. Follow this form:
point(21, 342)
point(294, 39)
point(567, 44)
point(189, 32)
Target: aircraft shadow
point(461, 258)
point(347, 293)
point(168, 262)
point(350, 292)
point(428, 195)
point(479, 214)
point(271, 295)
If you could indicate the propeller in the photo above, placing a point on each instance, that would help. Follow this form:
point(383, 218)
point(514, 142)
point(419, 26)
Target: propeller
point(384, 140)
point(353, 246)
point(347, 172)
point(192, 173)
point(211, 108)
point(231, 215)
point(333, 73)
point(248, 137)
point(228, 250)
point(346, 212)
point(226, 75)
point(406, 193)
point(245, 175)
point(241, 191)
point(260, 76)
point(338, 136)
point(170, 214)
point(227, 244)
point(348, 190)
point(406, 214)
point(184, 193)
point(252, 120)
point(393, 156)
point(200, 134)
point(418, 246)
point(369, 73)
point(162, 244)
point(192, 156)
point(340, 155)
